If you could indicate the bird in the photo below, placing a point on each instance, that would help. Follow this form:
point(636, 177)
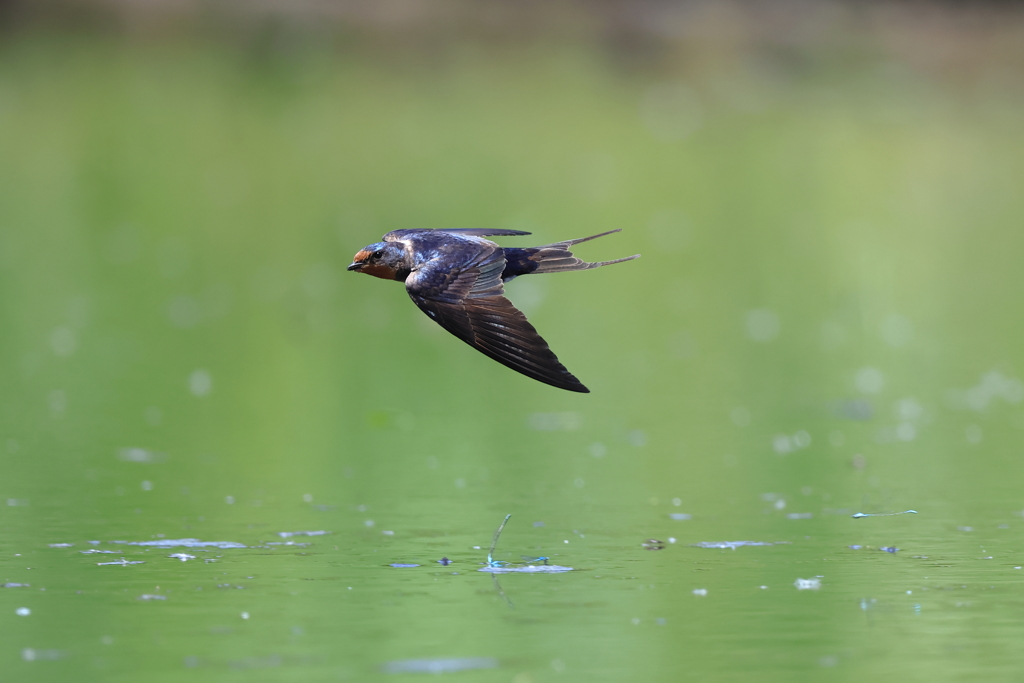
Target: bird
point(457, 277)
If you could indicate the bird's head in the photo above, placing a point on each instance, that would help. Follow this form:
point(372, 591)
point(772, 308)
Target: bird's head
point(383, 259)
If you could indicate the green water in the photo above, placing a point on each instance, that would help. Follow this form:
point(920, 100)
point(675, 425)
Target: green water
point(826, 320)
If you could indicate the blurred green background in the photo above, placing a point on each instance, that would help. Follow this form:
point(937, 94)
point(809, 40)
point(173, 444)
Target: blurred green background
point(826, 319)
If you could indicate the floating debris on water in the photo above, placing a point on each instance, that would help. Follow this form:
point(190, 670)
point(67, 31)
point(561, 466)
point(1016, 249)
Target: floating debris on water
point(23, 611)
point(800, 515)
point(151, 596)
point(859, 515)
point(402, 565)
point(61, 545)
point(680, 516)
point(289, 534)
point(653, 544)
point(184, 543)
point(184, 557)
point(529, 569)
point(296, 544)
point(17, 585)
point(439, 666)
point(700, 591)
point(444, 561)
point(732, 545)
point(140, 455)
point(92, 551)
point(30, 654)
point(123, 562)
point(500, 567)
point(889, 549)
point(807, 584)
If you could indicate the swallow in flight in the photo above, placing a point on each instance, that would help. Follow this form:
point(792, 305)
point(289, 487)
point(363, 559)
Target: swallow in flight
point(457, 278)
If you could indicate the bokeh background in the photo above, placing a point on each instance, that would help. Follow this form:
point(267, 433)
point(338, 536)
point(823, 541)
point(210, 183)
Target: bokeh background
point(826, 319)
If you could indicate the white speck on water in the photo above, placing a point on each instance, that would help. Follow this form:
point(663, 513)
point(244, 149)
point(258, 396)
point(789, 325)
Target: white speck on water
point(147, 486)
point(369, 522)
point(637, 437)
point(184, 557)
point(139, 455)
point(807, 584)
point(289, 534)
point(740, 416)
point(388, 533)
point(555, 422)
point(635, 621)
point(869, 380)
point(598, 450)
point(897, 331)
point(908, 409)
point(200, 383)
point(680, 516)
point(63, 341)
point(780, 504)
point(23, 611)
point(245, 615)
point(762, 324)
point(905, 431)
point(671, 539)
point(307, 497)
point(783, 443)
point(230, 500)
point(700, 591)
point(677, 502)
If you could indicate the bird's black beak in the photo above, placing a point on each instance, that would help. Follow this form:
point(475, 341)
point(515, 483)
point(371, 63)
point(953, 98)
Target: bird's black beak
point(355, 265)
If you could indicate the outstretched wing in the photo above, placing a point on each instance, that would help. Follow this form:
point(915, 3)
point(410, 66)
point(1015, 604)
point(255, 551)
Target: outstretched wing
point(395, 235)
point(468, 300)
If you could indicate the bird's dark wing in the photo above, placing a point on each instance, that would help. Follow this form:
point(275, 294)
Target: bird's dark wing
point(467, 299)
point(473, 232)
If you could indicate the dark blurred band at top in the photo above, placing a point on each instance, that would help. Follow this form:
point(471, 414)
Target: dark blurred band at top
point(937, 34)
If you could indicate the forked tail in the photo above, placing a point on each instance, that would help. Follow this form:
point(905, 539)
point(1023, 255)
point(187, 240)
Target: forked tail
point(552, 258)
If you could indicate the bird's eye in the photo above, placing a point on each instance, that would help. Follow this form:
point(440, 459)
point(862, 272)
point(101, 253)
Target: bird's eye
point(378, 254)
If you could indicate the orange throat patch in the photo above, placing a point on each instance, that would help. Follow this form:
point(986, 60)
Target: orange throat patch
point(377, 270)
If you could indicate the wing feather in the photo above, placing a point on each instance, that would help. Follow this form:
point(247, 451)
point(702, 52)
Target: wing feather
point(469, 301)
